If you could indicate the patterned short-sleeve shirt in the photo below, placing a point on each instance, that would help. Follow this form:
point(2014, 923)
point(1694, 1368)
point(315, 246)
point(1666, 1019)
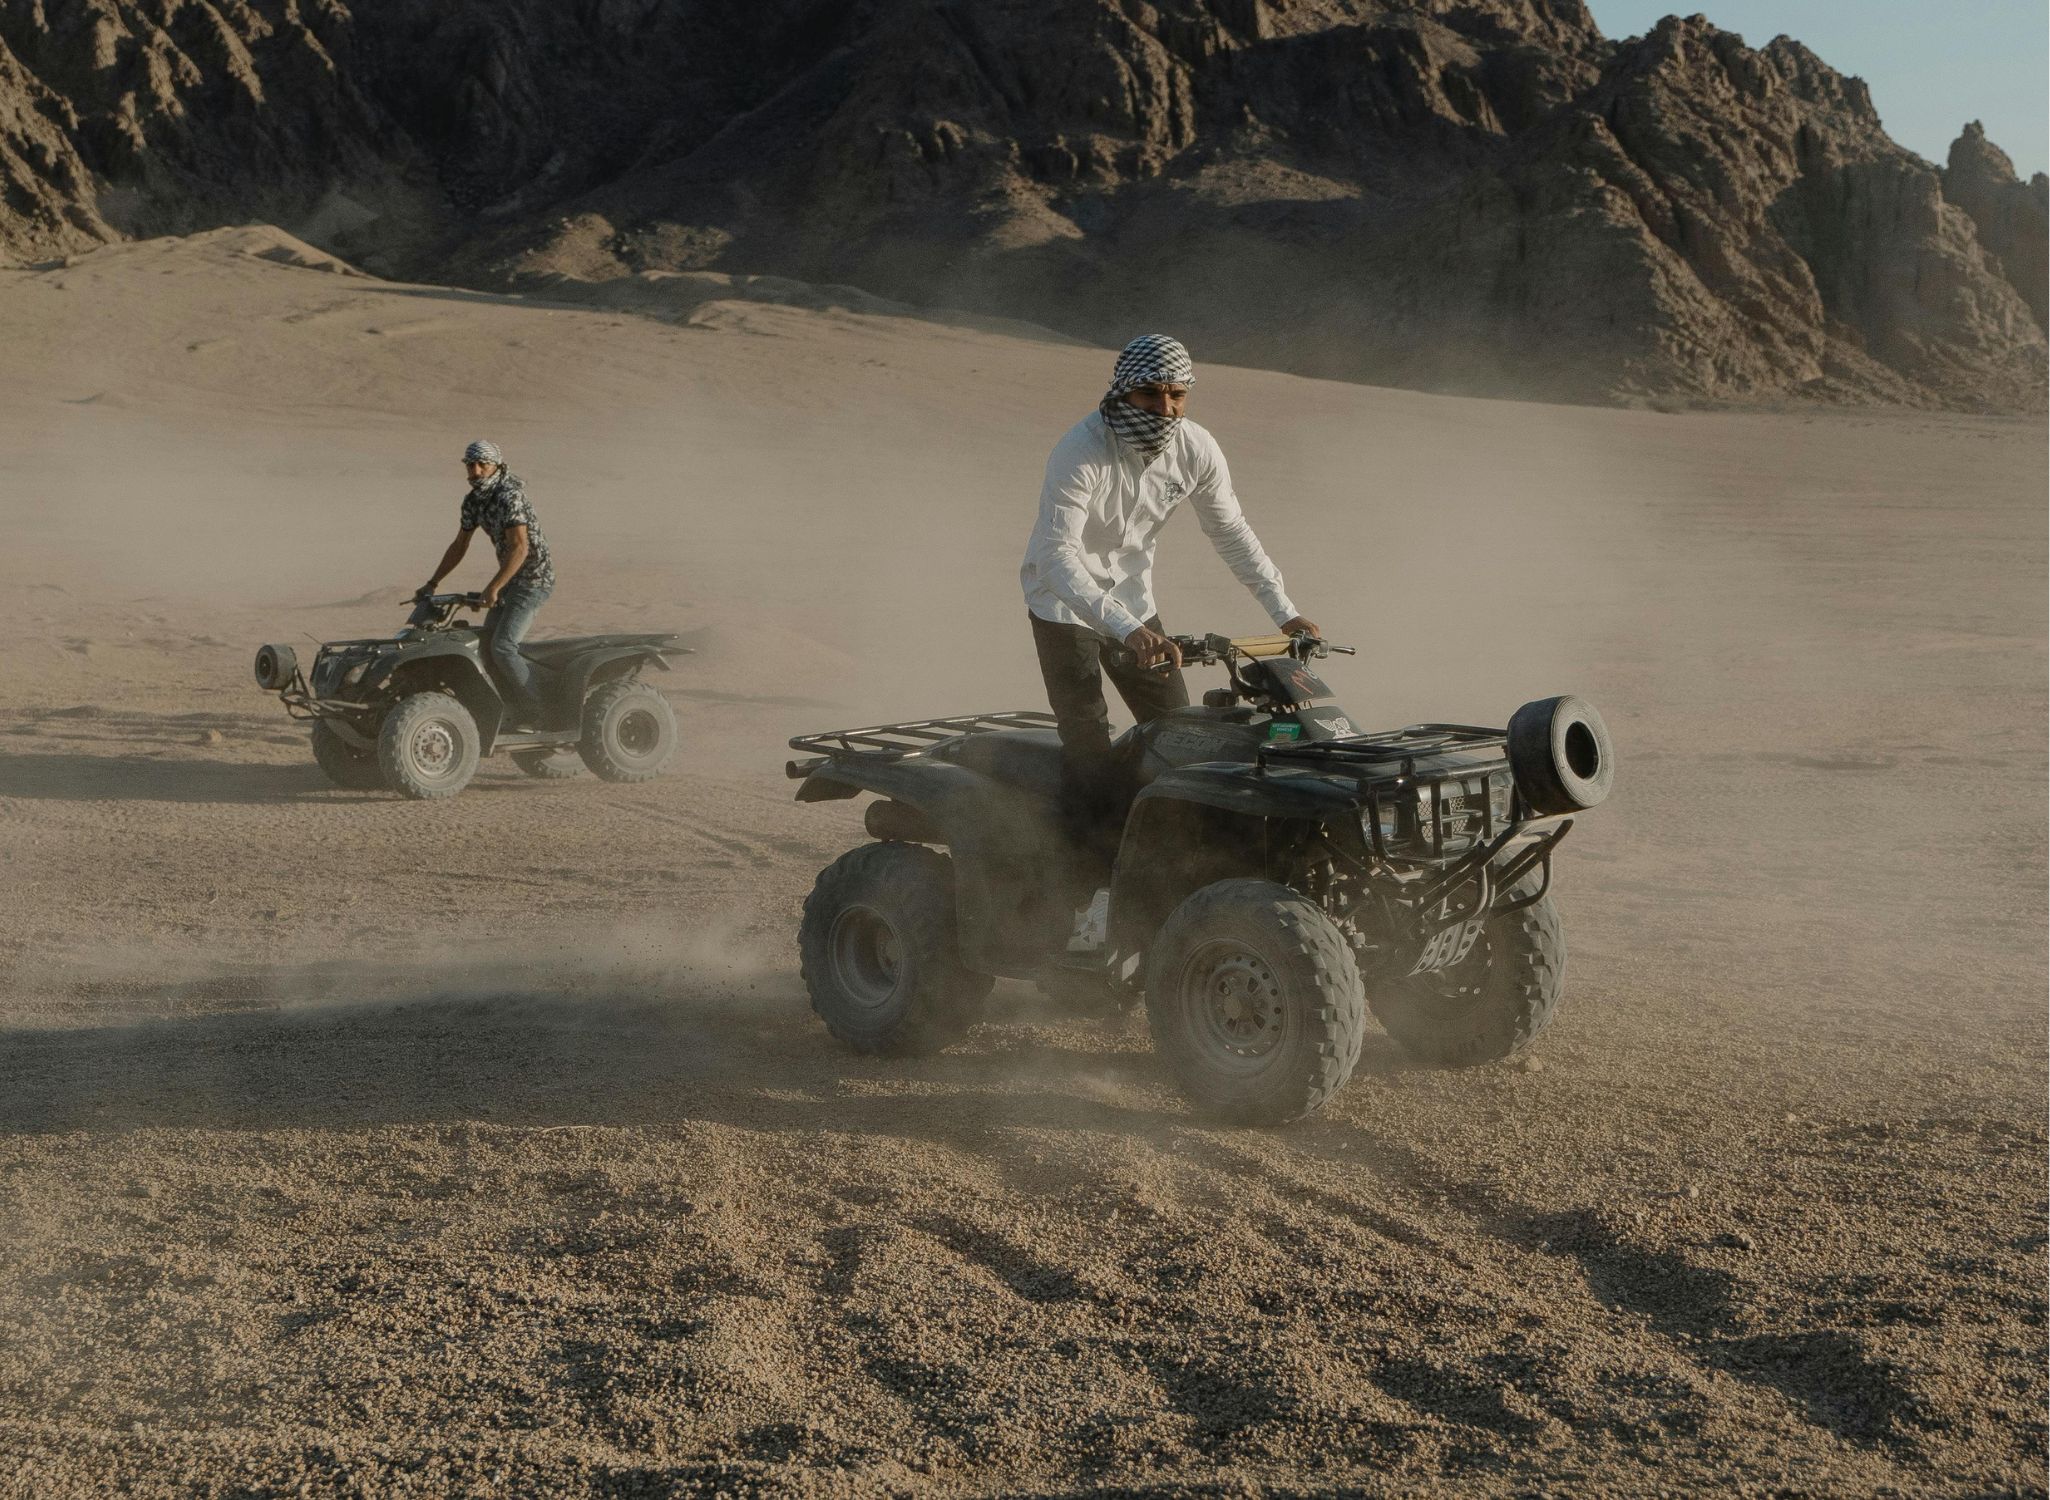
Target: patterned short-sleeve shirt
point(500, 506)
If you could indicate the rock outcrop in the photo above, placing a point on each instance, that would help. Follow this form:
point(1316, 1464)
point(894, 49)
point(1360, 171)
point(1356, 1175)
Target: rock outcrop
point(2012, 216)
point(1482, 195)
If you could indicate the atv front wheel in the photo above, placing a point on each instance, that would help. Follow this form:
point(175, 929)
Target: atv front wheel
point(347, 767)
point(629, 732)
point(880, 953)
point(549, 765)
point(428, 746)
point(1254, 1002)
point(1491, 1004)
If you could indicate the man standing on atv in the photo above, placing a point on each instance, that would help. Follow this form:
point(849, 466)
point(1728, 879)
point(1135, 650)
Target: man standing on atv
point(497, 501)
point(1111, 484)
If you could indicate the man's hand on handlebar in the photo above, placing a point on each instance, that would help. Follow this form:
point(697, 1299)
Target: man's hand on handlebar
point(1155, 651)
point(1301, 626)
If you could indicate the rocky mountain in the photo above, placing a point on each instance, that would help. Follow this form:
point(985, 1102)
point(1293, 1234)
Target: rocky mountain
point(1482, 195)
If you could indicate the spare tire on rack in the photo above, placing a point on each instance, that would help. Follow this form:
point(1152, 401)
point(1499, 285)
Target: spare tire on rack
point(275, 667)
point(1561, 755)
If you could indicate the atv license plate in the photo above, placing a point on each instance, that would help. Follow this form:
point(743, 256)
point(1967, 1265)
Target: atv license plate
point(1448, 945)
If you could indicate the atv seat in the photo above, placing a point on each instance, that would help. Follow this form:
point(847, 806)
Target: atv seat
point(557, 651)
point(1029, 759)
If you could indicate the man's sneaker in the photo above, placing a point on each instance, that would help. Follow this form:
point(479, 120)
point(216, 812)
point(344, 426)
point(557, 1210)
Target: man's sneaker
point(1092, 924)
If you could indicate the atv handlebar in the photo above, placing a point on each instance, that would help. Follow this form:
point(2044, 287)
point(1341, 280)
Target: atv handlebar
point(437, 609)
point(1206, 649)
point(1210, 650)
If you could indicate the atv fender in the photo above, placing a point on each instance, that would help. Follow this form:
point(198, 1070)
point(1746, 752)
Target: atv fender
point(1263, 792)
point(1203, 823)
point(586, 672)
point(1001, 845)
point(453, 670)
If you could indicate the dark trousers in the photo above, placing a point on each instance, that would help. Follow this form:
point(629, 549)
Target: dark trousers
point(1095, 784)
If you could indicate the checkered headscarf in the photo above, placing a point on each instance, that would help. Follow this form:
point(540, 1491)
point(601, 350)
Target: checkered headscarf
point(1150, 359)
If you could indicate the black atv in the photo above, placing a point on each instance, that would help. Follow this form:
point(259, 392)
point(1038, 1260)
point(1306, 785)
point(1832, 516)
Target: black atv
point(415, 712)
point(1280, 873)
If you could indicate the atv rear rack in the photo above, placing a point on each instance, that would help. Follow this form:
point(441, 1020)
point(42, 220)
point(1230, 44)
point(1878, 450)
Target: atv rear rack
point(897, 741)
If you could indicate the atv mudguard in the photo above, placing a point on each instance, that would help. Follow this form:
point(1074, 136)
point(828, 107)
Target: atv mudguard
point(603, 666)
point(1208, 822)
point(1261, 792)
point(451, 666)
point(1002, 846)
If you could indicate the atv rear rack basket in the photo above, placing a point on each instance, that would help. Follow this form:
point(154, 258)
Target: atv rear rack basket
point(897, 741)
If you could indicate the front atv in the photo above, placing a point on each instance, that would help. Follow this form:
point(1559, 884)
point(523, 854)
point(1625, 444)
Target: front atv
point(1280, 874)
point(416, 712)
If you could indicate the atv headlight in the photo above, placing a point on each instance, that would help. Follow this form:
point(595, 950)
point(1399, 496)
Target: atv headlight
point(1501, 793)
point(1402, 816)
point(355, 674)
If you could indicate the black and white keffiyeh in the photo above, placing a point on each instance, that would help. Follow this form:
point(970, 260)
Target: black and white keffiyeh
point(1150, 359)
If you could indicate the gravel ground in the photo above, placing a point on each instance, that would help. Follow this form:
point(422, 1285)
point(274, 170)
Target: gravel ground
point(351, 1146)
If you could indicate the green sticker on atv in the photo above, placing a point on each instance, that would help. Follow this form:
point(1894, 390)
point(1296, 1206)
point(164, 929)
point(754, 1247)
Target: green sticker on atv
point(1284, 732)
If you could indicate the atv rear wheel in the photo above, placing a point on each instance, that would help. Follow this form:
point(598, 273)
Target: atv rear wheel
point(347, 767)
point(629, 731)
point(1254, 1001)
point(549, 765)
point(1491, 1004)
point(880, 953)
point(428, 746)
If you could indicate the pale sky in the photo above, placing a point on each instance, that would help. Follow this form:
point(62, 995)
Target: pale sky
point(1931, 64)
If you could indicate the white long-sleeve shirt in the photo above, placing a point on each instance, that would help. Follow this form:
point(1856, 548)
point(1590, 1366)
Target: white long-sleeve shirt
point(1090, 560)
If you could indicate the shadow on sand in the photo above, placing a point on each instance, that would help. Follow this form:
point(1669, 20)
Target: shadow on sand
point(746, 1054)
point(345, 1053)
point(146, 778)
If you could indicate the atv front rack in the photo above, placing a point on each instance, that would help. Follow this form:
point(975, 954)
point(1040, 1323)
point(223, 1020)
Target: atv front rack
point(1386, 765)
point(896, 741)
point(1395, 753)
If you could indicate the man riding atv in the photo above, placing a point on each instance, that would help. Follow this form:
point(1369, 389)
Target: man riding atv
point(414, 712)
point(1111, 484)
point(497, 501)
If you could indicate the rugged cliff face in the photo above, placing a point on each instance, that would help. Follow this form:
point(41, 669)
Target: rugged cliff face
point(2011, 216)
point(1468, 194)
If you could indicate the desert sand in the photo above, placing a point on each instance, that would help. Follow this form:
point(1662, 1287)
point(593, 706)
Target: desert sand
point(357, 1146)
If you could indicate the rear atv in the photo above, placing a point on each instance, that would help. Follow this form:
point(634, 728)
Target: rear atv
point(1280, 874)
point(416, 712)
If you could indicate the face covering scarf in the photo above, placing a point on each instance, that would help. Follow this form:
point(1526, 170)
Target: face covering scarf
point(1150, 359)
point(482, 452)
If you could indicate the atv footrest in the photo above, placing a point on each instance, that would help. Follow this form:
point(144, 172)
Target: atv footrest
point(537, 739)
point(895, 741)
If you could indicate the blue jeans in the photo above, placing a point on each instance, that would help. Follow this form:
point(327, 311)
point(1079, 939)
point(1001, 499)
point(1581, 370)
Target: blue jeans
point(504, 628)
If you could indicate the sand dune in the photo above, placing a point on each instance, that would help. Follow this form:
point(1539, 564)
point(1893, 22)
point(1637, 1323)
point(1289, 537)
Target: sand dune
point(353, 1143)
